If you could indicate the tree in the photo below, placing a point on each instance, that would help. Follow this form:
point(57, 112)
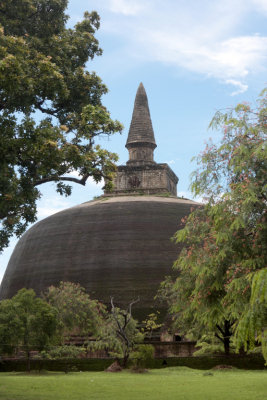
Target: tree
point(28, 323)
point(195, 297)
point(126, 329)
point(221, 281)
point(119, 334)
point(77, 312)
point(43, 78)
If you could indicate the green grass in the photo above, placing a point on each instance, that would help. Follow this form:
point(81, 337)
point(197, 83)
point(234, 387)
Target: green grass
point(177, 383)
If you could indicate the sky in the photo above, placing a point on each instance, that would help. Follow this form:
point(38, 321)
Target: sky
point(193, 57)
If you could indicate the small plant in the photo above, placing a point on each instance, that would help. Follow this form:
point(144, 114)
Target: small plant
point(143, 356)
point(151, 324)
point(165, 194)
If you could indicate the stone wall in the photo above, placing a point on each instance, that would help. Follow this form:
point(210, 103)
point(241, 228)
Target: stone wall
point(149, 179)
point(174, 349)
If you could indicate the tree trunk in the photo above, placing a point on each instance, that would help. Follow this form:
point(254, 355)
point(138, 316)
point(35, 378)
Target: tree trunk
point(125, 359)
point(224, 336)
point(28, 361)
point(226, 339)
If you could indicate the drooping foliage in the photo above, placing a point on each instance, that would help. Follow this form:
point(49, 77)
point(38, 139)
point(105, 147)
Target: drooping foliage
point(221, 282)
point(27, 323)
point(51, 113)
point(252, 325)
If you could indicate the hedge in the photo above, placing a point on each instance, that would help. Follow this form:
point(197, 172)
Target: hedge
point(98, 364)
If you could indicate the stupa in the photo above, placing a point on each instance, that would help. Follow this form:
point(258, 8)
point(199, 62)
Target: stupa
point(118, 245)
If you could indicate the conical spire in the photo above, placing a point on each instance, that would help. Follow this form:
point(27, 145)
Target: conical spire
point(141, 130)
point(142, 174)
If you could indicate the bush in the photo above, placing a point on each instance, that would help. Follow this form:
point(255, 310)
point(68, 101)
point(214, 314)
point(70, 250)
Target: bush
point(143, 356)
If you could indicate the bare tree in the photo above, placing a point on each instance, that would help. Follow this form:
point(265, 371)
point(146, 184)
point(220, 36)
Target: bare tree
point(126, 330)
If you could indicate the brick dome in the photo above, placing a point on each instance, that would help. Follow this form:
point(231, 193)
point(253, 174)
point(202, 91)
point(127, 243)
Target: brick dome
point(117, 247)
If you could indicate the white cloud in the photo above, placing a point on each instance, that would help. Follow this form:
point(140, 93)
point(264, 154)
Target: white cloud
point(52, 202)
point(202, 37)
point(52, 205)
point(261, 5)
point(126, 7)
point(241, 55)
point(241, 88)
point(44, 212)
point(170, 162)
point(74, 174)
point(90, 181)
point(229, 59)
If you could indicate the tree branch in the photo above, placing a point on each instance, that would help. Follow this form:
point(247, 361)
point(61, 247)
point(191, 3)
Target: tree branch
point(220, 329)
point(81, 181)
point(126, 317)
point(219, 337)
point(46, 110)
point(131, 304)
point(121, 330)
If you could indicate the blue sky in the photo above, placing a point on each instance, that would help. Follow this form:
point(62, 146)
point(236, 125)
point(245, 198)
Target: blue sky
point(193, 57)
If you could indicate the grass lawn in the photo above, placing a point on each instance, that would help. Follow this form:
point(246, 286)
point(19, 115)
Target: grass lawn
point(167, 384)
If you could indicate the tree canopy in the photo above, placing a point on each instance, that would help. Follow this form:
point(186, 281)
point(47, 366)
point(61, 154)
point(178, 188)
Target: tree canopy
point(77, 312)
point(221, 282)
point(27, 323)
point(51, 113)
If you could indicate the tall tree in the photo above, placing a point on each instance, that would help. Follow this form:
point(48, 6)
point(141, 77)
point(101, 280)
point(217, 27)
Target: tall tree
point(43, 78)
point(27, 323)
point(225, 253)
point(77, 312)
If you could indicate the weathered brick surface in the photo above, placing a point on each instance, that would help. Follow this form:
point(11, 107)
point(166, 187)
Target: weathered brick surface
point(148, 179)
point(118, 247)
point(141, 129)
